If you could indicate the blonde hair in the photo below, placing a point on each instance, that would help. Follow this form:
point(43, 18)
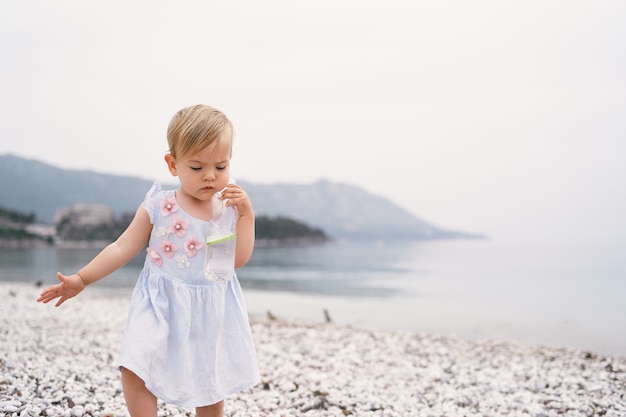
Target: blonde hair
point(196, 127)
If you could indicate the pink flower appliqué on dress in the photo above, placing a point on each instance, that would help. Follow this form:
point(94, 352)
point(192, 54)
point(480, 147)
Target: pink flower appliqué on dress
point(193, 245)
point(168, 206)
point(154, 256)
point(169, 248)
point(179, 226)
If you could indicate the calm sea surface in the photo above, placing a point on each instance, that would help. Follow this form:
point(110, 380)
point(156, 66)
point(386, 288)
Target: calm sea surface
point(563, 295)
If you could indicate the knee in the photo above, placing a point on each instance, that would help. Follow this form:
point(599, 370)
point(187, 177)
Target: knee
point(213, 410)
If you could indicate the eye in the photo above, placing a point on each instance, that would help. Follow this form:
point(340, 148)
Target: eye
point(196, 168)
point(220, 168)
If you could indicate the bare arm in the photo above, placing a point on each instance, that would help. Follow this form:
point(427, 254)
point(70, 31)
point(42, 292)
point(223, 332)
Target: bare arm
point(110, 259)
point(245, 225)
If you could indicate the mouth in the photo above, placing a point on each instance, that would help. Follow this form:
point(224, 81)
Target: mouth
point(207, 188)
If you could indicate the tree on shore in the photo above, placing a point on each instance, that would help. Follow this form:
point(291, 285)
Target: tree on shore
point(70, 228)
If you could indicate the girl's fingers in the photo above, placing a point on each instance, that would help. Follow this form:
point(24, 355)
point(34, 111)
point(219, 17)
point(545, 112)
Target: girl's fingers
point(51, 292)
point(46, 296)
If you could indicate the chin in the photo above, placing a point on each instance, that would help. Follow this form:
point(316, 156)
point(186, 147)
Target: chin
point(205, 195)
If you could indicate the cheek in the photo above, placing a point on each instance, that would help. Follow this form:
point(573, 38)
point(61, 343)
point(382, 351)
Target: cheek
point(224, 176)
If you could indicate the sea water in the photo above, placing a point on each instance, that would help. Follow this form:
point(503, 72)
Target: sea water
point(565, 295)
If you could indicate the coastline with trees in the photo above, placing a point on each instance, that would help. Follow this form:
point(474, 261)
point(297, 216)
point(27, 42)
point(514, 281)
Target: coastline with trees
point(71, 229)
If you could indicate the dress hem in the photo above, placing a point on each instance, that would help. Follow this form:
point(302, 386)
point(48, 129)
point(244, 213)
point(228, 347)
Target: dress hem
point(203, 403)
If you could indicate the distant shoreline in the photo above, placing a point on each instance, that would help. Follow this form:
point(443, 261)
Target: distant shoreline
point(101, 244)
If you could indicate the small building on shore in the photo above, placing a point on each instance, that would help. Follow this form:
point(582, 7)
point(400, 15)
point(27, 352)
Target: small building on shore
point(85, 215)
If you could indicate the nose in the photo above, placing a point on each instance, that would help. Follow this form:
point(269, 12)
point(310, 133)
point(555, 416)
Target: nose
point(209, 175)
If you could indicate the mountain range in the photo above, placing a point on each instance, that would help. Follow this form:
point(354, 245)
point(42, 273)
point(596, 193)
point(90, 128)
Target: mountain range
point(341, 210)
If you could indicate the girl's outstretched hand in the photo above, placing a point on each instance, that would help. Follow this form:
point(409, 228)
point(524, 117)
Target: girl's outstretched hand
point(69, 287)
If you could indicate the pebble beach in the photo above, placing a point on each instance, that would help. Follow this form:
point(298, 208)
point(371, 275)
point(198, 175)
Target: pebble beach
point(61, 362)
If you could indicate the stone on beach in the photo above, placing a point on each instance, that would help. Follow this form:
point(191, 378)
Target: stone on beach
point(61, 361)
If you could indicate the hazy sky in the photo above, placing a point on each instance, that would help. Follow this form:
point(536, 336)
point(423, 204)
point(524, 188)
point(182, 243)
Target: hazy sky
point(499, 117)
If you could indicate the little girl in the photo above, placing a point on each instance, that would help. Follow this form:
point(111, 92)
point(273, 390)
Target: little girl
point(187, 339)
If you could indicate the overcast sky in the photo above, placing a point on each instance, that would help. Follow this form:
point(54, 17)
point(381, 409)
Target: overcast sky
point(497, 117)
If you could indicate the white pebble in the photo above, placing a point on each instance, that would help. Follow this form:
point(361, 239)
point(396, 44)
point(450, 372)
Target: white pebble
point(312, 369)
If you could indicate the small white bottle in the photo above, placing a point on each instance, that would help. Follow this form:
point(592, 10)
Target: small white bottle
point(219, 258)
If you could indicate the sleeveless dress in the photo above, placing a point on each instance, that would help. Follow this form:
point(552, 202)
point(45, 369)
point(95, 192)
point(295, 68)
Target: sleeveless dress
point(186, 337)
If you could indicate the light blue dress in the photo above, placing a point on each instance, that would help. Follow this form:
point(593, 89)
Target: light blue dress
point(187, 338)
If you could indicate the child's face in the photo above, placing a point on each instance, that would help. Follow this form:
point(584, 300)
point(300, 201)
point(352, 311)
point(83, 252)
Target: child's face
point(204, 173)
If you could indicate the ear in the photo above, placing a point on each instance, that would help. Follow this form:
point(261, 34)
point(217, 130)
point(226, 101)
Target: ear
point(171, 164)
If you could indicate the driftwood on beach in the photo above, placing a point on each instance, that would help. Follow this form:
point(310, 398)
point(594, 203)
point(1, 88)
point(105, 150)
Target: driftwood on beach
point(60, 361)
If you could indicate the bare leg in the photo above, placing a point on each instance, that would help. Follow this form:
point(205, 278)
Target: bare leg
point(140, 401)
point(215, 410)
